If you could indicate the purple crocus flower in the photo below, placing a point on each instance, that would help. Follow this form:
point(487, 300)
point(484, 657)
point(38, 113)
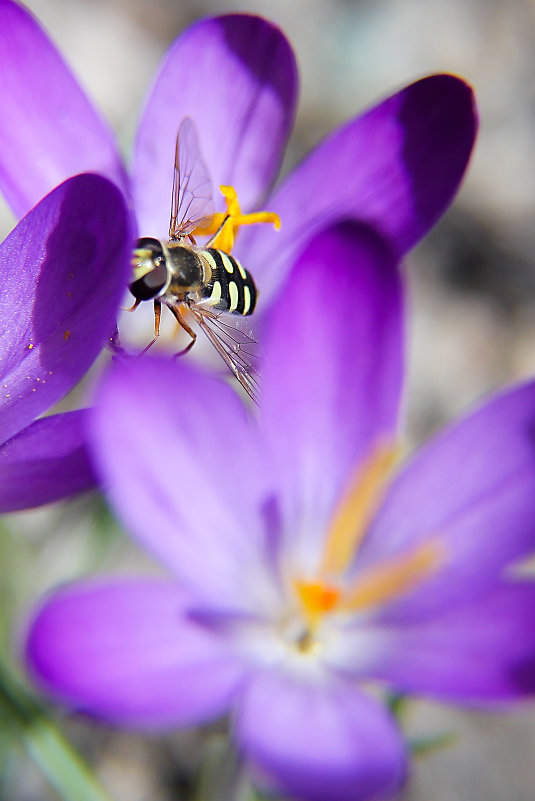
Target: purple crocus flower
point(396, 167)
point(303, 570)
point(63, 270)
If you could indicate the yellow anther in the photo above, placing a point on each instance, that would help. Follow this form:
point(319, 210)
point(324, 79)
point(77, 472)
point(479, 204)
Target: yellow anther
point(356, 509)
point(226, 224)
point(394, 577)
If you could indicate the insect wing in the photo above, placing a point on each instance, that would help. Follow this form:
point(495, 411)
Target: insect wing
point(235, 342)
point(192, 203)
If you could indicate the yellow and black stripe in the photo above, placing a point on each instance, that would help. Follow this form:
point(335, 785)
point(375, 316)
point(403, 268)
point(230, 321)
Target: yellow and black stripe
point(230, 288)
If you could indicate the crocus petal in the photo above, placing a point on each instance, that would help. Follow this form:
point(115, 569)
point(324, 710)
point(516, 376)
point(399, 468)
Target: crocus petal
point(235, 76)
point(319, 742)
point(480, 653)
point(396, 167)
point(179, 457)
point(332, 371)
point(472, 491)
point(64, 269)
point(45, 462)
point(124, 651)
point(48, 129)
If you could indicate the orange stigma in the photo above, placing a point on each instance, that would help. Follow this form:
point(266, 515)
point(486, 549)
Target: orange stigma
point(316, 599)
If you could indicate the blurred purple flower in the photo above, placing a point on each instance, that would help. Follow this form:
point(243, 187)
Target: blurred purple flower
point(63, 271)
point(302, 568)
point(397, 167)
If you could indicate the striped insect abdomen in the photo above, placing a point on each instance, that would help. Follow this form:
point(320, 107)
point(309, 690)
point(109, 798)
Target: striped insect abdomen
point(231, 287)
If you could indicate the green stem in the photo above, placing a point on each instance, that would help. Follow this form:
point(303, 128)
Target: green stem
point(64, 769)
point(396, 703)
point(221, 775)
point(421, 746)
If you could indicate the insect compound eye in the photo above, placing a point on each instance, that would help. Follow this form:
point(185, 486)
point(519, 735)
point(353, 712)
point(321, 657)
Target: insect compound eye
point(150, 269)
point(148, 243)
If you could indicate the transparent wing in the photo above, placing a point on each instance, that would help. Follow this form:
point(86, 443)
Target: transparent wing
point(235, 342)
point(191, 201)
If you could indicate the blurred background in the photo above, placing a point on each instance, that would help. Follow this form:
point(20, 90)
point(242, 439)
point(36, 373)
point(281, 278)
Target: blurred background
point(471, 328)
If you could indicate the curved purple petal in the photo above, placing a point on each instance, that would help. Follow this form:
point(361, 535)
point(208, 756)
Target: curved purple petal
point(45, 462)
point(236, 77)
point(319, 742)
point(396, 167)
point(125, 651)
point(48, 128)
point(332, 372)
point(483, 652)
point(64, 270)
point(180, 460)
point(473, 490)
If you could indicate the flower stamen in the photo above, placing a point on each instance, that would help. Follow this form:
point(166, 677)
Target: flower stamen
point(226, 224)
point(355, 512)
point(394, 577)
point(331, 591)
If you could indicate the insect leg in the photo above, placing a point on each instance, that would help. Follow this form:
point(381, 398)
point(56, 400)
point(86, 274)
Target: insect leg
point(157, 315)
point(214, 236)
point(183, 324)
point(132, 308)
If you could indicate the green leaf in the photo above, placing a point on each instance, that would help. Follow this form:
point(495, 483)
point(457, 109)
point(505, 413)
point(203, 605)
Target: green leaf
point(422, 746)
point(65, 770)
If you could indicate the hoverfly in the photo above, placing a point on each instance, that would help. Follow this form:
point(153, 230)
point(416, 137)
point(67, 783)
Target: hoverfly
point(216, 289)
